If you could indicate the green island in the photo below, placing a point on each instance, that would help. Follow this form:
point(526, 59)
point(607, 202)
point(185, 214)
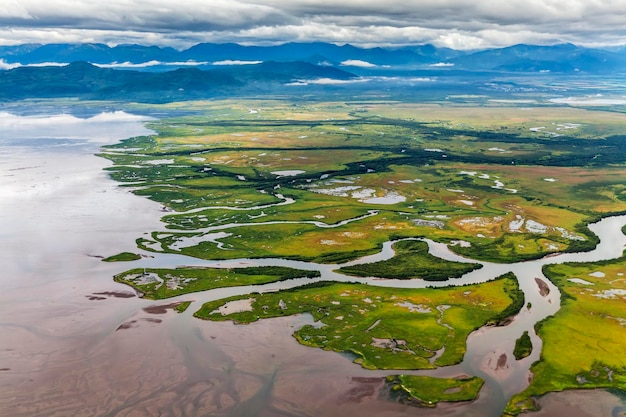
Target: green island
point(161, 283)
point(523, 346)
point(411, 260)
point(330, 182)
point(428, 391)
point(591, 322)
point(182, 307)
point(123, 257)
point(386, 328)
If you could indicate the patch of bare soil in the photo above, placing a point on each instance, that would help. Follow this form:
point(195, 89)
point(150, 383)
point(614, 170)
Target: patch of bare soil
point(544, 290)
point(161, 309)
point(362, 388)
point(135, 323)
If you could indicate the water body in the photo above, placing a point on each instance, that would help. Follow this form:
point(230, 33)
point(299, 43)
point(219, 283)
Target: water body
point(73, 343)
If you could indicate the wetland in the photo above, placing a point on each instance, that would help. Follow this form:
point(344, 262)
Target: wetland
point(419, 241)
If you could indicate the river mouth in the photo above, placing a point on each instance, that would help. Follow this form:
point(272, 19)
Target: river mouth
point(74, 336)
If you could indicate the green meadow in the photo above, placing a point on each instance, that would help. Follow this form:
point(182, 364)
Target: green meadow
point(428, 391)
point(385, 328)
point(158, 284)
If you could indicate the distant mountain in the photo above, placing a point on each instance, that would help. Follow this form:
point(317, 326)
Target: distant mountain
point(84, 80)
point(556, 58)
point(211, 52)
point(562, 58)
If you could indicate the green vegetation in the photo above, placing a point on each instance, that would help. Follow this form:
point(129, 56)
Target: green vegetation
point(412, 260)
point(182, 307)
point(157, 284)
point(511, 288)
point(386, 328)
point(523, 346)
point(428, 391)
point(583, 343)
point(484, 177)
point(123, 257)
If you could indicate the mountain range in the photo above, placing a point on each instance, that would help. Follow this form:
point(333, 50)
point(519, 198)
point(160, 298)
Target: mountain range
point(150, 73)
point(84, 80)
point(560, 58)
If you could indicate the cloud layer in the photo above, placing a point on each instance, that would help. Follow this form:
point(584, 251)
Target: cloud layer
point(460, 24)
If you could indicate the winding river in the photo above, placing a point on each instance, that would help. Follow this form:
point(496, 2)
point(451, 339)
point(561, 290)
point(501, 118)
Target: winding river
point(489, 349)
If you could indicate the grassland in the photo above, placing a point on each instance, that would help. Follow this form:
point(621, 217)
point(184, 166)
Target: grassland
point(513, 184)
point(386, 328)
point(122, 257)
point(523, 346)
point(158, 284)
point(412, 260)
point(428, 391)
point(583, 343)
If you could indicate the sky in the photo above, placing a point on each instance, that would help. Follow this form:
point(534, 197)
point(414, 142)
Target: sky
point(458, 24)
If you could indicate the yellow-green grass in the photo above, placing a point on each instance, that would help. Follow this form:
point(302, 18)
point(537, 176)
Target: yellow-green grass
point(301, 241)
point(583, 343)
point(307, 207)
point(428, 391)
point(594, 123)
point(158, 284)
point(386, 328)
point(523, 346)
point(411, 260)
point(379, 147)
point(599, 190)
point(182, 307)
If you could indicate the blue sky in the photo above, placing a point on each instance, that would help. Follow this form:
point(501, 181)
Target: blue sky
point(459, 24)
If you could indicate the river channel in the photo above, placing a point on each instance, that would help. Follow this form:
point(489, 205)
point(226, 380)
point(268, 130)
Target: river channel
point(76, 343)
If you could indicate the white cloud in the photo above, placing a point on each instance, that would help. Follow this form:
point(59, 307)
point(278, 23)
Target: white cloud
point(7, 66)
point(442, 64)
point(151, 64)
point(357, 63)
point(236, 62)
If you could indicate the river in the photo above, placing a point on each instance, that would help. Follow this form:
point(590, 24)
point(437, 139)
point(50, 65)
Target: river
point(73, 344)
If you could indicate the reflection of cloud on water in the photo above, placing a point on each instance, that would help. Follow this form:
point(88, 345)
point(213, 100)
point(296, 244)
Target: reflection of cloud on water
point(106, 127)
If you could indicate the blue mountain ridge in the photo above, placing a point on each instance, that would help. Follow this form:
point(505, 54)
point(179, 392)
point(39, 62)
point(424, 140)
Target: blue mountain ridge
point(563, 58)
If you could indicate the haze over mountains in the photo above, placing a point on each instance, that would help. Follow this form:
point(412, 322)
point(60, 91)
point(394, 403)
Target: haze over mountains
point(151, 73)
point(555, 58)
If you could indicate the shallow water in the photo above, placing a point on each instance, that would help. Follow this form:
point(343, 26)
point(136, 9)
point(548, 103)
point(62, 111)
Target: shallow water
point(72, 344)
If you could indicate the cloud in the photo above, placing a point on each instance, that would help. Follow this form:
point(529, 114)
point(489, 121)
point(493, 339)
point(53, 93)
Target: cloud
point(7, 66)
point(333, 81)
point(461, 24)
point(236, 62)
point(151, 64)
point(442, 64)
point(357, 63)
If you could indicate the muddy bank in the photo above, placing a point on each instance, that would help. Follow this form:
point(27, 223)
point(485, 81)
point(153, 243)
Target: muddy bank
point(544, 289)
point(580, 403)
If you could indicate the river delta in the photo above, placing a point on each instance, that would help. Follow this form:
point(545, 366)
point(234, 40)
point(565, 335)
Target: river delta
point(250, 194)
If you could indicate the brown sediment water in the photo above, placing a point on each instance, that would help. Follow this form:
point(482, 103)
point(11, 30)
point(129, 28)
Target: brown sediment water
point(76, 343)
